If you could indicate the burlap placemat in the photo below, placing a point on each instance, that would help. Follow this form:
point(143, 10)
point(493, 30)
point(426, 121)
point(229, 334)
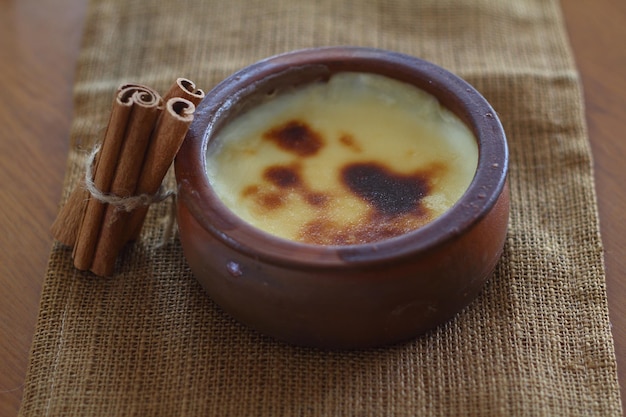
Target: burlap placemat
point(149, 342)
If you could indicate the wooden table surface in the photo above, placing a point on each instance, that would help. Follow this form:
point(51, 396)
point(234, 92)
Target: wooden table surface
point(39, 43)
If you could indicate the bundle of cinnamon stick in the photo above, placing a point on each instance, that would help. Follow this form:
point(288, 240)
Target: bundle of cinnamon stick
point(125, 172)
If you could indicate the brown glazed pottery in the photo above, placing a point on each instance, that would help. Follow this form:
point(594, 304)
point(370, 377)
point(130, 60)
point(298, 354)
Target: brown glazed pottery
point(343, 296)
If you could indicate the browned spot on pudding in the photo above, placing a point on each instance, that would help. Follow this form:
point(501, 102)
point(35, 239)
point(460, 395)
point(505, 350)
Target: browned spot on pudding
point(316, 199)
point(320, 232)
point(280, 182)
point(386, 192)
point(264, 199)
point(349, 141)
point(250, 190)
point(296, 137)
point(372, 228)
point(270, 201)
point(283, 176)
point(394, 200)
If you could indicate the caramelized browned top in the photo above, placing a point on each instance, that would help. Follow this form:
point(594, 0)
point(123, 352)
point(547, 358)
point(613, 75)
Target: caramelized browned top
point(357, 159)
point(387, 192)
point(394, 199)
point(296, 137)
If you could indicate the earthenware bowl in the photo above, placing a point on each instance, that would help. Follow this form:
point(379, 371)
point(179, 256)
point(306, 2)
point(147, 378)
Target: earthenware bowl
point(343, 296)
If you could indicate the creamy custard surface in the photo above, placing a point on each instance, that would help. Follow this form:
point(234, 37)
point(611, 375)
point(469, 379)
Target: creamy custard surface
point(357, 159)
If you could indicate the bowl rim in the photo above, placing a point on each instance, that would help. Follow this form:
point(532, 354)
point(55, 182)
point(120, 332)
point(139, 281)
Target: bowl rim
point(195, 192)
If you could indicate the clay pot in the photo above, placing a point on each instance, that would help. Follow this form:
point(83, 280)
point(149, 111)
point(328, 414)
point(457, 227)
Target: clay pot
point(343, 296)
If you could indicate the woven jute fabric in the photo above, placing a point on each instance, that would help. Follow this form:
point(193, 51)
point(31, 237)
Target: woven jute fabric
point(149, 342)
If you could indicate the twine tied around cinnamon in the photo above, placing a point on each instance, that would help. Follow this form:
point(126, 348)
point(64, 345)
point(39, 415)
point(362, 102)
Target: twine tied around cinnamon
point(127, 204)
point(124, 174)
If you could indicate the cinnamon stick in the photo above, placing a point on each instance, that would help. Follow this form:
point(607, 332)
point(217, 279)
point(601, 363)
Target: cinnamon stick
point(66, 225)
point(120, 125)
point(186, 89)
point(123, 185)
point(167, 139)
point(109, 206)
